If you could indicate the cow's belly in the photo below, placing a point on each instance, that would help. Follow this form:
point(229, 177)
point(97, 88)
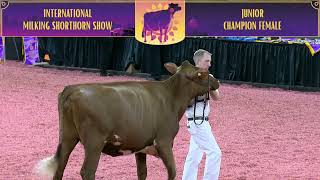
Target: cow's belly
point(114, 150)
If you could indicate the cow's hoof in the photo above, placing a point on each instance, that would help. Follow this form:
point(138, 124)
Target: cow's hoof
point(153, 37)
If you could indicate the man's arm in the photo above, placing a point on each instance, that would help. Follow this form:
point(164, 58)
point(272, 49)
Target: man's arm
point(215, 95)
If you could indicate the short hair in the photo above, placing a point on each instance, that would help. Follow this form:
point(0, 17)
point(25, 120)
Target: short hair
point(198, 54)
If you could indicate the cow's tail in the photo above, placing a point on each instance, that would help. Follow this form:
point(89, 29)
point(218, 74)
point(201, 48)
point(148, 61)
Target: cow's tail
point(47, 167)
point(143, 29)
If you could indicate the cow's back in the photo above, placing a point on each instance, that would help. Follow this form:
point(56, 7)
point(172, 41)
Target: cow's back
point(156, 20)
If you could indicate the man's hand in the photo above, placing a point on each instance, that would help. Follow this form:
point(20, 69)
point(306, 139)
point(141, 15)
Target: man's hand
point(215, 94)
point(216, 83)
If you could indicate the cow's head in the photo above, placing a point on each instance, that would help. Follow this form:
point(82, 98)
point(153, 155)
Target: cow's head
point(198, 78)
point(174, 7)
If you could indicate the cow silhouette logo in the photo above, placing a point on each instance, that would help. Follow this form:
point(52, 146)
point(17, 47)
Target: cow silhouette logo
point(160, 23)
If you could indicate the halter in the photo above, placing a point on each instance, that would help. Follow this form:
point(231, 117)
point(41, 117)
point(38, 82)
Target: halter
point(204, 105)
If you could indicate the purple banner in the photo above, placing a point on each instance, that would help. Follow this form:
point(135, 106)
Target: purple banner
point(251, 19)
point(1, 50)
point(31, 53)
point(68, 19)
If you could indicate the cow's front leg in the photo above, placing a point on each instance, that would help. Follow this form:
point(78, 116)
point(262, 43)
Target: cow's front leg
point(165, 153)
point(166, 35)
point(141, 159)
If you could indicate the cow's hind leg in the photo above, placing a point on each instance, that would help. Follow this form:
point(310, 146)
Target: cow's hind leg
point(68, 138)
point(63, 152)
point(93, 146)
point(141, 159)
point(165, 153)
point(152, 36)
point(160, 36)
point(145, 35)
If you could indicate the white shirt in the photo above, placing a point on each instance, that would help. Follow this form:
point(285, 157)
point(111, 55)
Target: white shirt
point(199, 108)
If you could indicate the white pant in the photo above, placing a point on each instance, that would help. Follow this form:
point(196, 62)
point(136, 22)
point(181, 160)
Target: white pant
point(202, 140)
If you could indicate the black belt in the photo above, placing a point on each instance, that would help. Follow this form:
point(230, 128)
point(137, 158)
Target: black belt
point(199, 118)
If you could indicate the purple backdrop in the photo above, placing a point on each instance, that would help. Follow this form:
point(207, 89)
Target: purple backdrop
point(298, 19)
point(121, 15)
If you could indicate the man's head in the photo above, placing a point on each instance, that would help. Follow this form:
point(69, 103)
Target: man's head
point(202, 59)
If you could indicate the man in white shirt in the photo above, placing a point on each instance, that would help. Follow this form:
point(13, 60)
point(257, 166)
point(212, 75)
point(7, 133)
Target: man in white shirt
point(201, 137)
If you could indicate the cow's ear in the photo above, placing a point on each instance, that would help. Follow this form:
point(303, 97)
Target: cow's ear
point(171, 67)
point(186, 62)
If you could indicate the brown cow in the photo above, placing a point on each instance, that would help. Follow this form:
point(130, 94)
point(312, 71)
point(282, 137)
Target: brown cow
point(120, 118)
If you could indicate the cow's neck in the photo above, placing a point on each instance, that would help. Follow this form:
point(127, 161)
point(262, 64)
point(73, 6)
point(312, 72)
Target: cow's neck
point(182, 92)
